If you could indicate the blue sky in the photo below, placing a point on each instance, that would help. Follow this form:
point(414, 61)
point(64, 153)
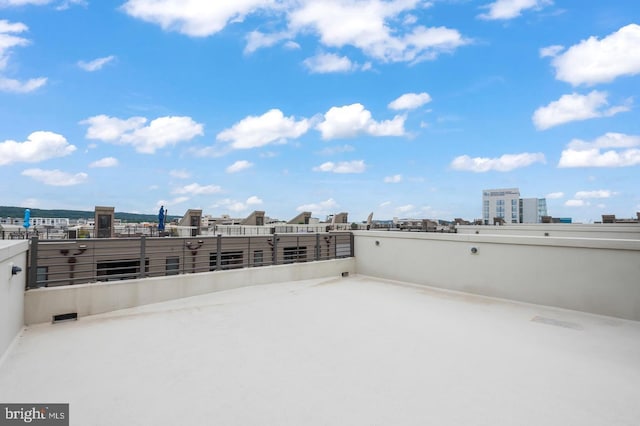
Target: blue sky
point(403, 108)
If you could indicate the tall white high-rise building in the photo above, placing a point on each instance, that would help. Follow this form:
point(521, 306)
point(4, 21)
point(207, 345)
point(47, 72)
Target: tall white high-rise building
point(507, 205)
point(532, 210)
point(501, 203)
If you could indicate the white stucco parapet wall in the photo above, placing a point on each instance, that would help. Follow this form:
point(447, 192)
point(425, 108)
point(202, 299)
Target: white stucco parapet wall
point(600, 276)
point(12, 253)
point(625, 231)
point(95, 298)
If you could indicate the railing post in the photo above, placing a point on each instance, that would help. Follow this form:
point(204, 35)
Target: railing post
point(219, 252)
point(184, 258)
point(249, 258)
point(317, 246)
point(143, 256)
point(275, 249)
point(32, 279)
point(352, 244)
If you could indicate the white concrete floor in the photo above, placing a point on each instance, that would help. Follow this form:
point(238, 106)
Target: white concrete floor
point(354, 351)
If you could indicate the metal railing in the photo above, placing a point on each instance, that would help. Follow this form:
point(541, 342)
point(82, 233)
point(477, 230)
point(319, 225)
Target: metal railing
point(69, 262)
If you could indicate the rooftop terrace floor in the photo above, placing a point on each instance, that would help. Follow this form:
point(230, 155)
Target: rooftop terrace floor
point(348, 351)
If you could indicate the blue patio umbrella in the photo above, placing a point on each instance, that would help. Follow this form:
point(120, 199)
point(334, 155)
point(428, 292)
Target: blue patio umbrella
point(27, 219)
point(161, 219)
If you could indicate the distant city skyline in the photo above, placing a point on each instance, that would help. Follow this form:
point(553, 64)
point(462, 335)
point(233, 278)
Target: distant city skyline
point(401, 108)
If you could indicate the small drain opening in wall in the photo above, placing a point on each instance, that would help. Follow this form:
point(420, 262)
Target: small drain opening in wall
point(345, 274)
point(71, 316)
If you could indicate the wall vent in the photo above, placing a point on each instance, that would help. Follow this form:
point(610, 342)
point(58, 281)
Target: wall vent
point(345, 274)
point(71, 316)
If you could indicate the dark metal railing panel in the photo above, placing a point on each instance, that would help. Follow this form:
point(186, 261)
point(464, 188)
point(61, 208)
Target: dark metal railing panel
point(69, 262)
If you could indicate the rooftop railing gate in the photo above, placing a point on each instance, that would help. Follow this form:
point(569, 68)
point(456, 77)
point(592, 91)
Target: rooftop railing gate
point(69, 262)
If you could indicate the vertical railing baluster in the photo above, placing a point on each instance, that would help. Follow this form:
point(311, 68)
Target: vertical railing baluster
point(351, 243)
point(184, 257)
point(219, 252)
point(143, 256)
point(275, 249)
point(248, 252)
point(32, 280)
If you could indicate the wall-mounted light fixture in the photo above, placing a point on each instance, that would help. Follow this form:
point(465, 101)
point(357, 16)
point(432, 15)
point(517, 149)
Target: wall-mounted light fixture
point(15, 270)
point(474, 250)
point(377, 242)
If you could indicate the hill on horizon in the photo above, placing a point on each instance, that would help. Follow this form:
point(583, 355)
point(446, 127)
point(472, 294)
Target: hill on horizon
point(10, 211)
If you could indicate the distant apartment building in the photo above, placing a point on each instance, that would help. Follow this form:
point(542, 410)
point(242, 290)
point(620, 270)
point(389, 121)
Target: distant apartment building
point(532, 210)
point(505, 205)
point(501, 204)
point(50, 221)
point(58, 222)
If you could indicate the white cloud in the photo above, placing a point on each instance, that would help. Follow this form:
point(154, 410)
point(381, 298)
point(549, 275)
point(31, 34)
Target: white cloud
point(594, 61)
point(196, 18)
point(609, 150)
point(8, 3)
point(180, 174)
point(410, 101)
point(254, 201)
point(405, 209)
point(576, 203)
point(238, 206)
point(575, 107)
point(62, 6)
point(16, 86)
point(393, 179)
point(385, 204)
point(602, 193)
point(105, 162)
point(257, 40)
point(56, 177)
point(555, 195)
point(292, 45)
point(197, 189)
point(15, 27)
point(271, 127)
point(372, 26)
point(9, 40)
point(351, 120)
point(146, 139)
point(239, 166)
point(213, 151)
point(551, 51)
point(39, 146)
point(381, 29)
point(504, 163)
point(509, 9)
point(68, 3)
point(325, 63)
point(323, 207)
point(337, 150)
point(608, 140)
point(173, 202)
point(95, 64)
point(581, 198)
point(355, 166)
